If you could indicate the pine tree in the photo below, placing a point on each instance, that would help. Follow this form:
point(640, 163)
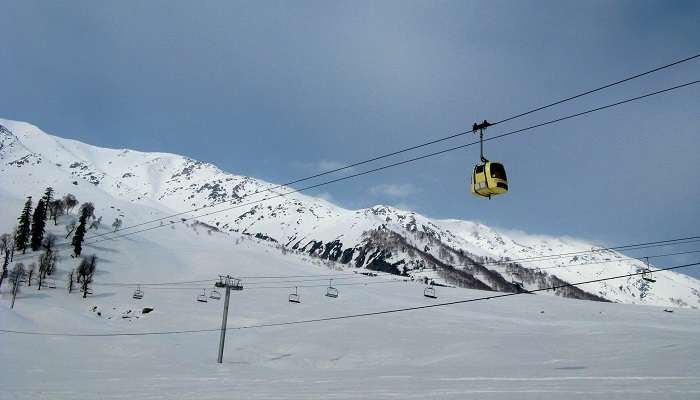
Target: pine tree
point(48, 195)
point(38, 224)
point(24, 229)
point(80, 231)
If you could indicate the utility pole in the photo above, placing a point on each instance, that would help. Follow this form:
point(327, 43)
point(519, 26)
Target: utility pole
point(229, 283)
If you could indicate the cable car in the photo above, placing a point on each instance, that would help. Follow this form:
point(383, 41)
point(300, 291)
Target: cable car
point(202, 298)
point(138, 293)
point(430, 292)
point(488, 177)
point(215, 295)
point(294, 297)
point(331, 291)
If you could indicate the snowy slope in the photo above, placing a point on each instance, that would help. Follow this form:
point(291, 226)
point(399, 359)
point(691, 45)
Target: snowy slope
point(460, 253)
point(525, 346)
point(532, 347)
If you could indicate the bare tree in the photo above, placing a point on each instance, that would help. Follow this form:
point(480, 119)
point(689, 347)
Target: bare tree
point(47, 262)
point(70, 228)
point(86, 269)
point(16, 276)
point(56, 209)
point(4, 241)
point(30, 273)
point(49, 242)
point(96, 224)
point(70, 281)
point(7, 243)
point(70, 201)
point(117, 224)
point(51, 253)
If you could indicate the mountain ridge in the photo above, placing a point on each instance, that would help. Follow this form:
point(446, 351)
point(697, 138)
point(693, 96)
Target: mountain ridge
point(382, 238)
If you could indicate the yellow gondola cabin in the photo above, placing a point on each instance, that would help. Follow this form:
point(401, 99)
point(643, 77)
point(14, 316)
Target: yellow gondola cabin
point(489, 179)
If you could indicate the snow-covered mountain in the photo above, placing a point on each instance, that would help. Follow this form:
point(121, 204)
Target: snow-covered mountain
point(140, 187)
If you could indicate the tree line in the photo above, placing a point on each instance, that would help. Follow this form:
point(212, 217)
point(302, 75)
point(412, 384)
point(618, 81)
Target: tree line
point(30, 234)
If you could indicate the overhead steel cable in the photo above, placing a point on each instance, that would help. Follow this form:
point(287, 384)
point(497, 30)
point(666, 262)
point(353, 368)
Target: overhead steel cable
point(399, 163)
point(609, 85)
point(349, 316)
point(418, 146)
point(369, 280)
point(612, 261)
point(632, 247)
point(247, 284)
point(411, 160)
point(387, 276)
point(397, 279)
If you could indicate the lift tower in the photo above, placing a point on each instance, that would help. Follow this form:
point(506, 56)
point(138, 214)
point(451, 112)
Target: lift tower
point(228, 283)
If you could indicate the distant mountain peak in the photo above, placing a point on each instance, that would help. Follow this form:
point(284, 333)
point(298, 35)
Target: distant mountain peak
point(380, 237)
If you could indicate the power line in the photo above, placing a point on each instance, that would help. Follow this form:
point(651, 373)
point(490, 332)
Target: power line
point(429, 143)
point(630, 247)
point(549, 257)
point(611, 261)
point(517, 131)
point(254, 285)
point(388, 278)
point(598, 89)
point(367, 314)
point(411, 160)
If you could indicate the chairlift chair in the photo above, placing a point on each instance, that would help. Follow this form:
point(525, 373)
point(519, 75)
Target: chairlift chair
point(331, 291)
point(51, 283)
point(294, 297)
point(647, 276)
point(215, 295)
point(646, 273)
point(138, 293)
point(430, 292)
point(202, 298)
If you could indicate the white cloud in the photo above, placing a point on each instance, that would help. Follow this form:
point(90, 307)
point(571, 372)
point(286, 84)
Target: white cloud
point(326, 196)
point(406, 206)
point(399, 190)
point(323, 166)
point(326, 165)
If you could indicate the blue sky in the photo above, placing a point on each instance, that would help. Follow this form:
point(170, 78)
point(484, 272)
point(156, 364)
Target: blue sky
point(279, 90)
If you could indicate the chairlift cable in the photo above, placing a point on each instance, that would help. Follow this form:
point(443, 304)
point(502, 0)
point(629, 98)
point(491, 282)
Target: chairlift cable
point(367, 314)
point(373, 170)
point(410, 148)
